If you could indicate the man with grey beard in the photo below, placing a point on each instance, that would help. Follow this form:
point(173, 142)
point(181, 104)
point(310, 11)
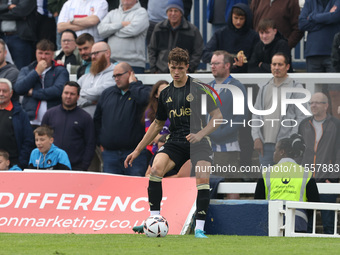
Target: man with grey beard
point(100, 77)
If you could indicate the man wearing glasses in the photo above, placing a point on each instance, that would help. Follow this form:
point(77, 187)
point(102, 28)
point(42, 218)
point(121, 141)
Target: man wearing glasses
point(98, 79)
point(268, 129)
point(69, 53)
point(118, 122)
point(321, 133)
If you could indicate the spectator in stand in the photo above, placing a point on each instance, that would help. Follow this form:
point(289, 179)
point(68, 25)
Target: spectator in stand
point(84, 44)
point(100, 77)
point(5, 162)
point(156, 11)
point(54, 6)
point(285, 14)
point(174, 32)
point(266, 136)
point(150, 114)
point(47, 156)
point(18, 25)
point(321, 19)
point(271, 42)
point(322, 135)
point(41, 83)
point(224, 141)
point(118, 122)
point(334, 92)
point(236, 36)
point(46, 25)
point(126, 28)
point(218, 13)
point(73, 128)
point(7, 70)
point(16, 136)
point(82, 17)
point(69, 54)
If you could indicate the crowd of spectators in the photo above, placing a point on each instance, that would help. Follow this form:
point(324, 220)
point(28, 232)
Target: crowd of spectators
point(99, 119)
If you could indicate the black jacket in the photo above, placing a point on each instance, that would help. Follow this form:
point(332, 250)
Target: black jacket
point(264, 53)
point(164, 39)
point(25, 16)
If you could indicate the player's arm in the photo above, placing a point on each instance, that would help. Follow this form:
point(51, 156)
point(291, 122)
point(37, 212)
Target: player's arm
point(208, 129)
point(152, 132)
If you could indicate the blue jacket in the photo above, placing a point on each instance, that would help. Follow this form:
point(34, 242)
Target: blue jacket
point(228, 133)
point(117, 118)
point(233, 40)
point(321, 24)
point(23, 134)
point(229, 5)
point(55, 159)
point(28, 78)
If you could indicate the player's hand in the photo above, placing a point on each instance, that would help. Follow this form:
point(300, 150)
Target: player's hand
point(60, 62)
point(258, 146)
point(41, 66)
point(193, 138)
point(130, 158)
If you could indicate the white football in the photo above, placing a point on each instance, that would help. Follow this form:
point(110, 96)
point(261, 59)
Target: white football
point(156, 226)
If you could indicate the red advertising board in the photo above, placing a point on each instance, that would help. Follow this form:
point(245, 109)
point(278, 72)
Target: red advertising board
point(87, 203)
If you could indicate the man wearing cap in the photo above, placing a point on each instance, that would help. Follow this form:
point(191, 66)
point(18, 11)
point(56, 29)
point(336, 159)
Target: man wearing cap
point(173, 32)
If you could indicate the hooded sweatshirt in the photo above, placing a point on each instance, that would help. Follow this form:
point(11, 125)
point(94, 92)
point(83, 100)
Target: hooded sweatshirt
point(233, 40)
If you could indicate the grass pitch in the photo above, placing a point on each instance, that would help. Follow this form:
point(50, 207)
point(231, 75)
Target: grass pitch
point(172, 244)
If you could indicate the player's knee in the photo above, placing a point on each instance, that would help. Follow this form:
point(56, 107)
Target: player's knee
point(155, 171)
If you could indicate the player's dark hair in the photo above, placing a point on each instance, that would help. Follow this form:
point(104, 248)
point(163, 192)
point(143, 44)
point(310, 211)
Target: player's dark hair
point(73, 84)
point(83, 38)
point(293, 146)
point(44, 130)
point(178, 55)
point(153, 101)
point(264, 24)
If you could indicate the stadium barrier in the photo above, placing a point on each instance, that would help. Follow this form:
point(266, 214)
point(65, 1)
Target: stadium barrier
point(276, 210)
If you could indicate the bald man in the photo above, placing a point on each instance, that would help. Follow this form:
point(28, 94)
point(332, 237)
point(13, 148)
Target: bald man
point(100, 77)
point(321, 133)
point(118, 122)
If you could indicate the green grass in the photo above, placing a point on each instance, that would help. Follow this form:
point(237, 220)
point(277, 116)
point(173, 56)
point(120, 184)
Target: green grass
point(139, 244)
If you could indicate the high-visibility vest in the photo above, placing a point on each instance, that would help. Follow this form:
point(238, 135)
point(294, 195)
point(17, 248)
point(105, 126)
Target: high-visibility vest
point(286, 181)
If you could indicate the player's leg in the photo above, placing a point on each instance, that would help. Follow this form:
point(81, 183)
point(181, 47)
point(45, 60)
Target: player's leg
point(161, 165)
point(202, 171)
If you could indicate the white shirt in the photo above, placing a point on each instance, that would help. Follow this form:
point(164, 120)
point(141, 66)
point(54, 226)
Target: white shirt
point(84, 8)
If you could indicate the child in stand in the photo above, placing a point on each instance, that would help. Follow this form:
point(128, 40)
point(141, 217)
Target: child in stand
point(5, 163)
point(47, 156)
